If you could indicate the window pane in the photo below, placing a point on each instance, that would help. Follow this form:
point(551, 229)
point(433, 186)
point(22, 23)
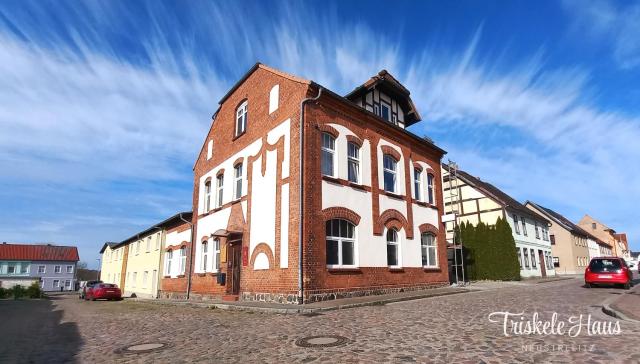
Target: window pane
point(392, 235)
point(327, 228)
point(347, 253)
point(389, 181)
point(332, 252)
point(328, 141)
point(353, 171)
point(392, 254)
point(424, 255)
point(327, 163)
point(343, 228)
point(353, 151)
point(335, 228)
point(389, 162)
point(350, 230)
point(432, 255)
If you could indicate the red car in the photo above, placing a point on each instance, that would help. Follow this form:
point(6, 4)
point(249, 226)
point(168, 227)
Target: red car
point(103, 291)
point(608, 270)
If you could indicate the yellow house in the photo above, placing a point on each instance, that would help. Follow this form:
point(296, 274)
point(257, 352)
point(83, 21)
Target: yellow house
point(112, 263)
point(135, 263)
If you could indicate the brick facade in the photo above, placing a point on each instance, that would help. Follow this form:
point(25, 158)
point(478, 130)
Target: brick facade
point(280, 284)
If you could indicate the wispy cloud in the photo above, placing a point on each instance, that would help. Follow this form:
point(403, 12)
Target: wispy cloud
point(106, 111)
point(612, 22)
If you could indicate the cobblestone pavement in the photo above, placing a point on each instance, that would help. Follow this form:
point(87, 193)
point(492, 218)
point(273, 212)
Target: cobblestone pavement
point(440, 329)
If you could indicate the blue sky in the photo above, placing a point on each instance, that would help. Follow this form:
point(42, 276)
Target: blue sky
point(105, 104)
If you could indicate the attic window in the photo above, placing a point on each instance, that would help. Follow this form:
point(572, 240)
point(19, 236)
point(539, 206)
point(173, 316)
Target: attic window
point(385, 111)
point(593, 225)
point(209, 149)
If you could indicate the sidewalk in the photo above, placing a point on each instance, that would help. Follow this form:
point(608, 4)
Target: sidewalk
point(339, 304)
point(626, 306)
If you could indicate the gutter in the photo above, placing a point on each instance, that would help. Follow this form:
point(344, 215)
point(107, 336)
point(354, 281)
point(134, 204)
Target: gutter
point(190, 254)
point(301, 222)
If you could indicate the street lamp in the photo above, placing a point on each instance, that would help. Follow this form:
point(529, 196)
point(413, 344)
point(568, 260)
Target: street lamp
point(98, 270)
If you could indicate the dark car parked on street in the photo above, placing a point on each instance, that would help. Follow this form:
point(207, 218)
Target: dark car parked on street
point(608, 271)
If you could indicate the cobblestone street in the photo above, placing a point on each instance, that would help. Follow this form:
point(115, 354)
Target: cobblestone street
point(439, 329)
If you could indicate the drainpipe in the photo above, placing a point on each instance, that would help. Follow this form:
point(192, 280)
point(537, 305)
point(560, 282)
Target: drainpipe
point(300, 222)
point(190, 254)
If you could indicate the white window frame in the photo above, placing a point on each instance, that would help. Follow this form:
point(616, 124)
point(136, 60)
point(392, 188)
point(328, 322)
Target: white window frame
point(417, 184)
point(137, 247)
point(397, 247)
point(134, 276)
point(341, 240)
point(204, 256)
point(56, 283)
point(519, 250)
point(183, 260)
point(383, 105)
point(523, 220)
point(216, 255)
point(393, 172)
point(515, 223)
point(207, 196)
point(426, 248)
point(219, 190)
point(430, 188)
point(241, 118)
point(526, 258)
point(69, 269)
point(145, 278)
point(331, 151)
point(42, 269)
point(237, 179)
point(158, 238)
point(148, 243)
point(533, 259)
point(57, 269)
point(168, 257)
point(353, 159)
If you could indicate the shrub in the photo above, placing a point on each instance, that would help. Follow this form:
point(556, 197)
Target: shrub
point(34, 291)
point(17, 291)
point(4, 293)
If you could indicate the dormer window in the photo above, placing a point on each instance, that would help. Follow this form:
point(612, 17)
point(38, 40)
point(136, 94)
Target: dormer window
point(385, 111)
point(241, 118)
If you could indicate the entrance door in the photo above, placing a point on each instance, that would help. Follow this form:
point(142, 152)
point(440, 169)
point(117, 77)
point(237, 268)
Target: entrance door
point(543, 264)
point(235, 261)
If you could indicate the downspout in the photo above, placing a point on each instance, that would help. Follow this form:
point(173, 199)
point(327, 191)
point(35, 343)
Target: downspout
point(301, 222)
point(190, 254)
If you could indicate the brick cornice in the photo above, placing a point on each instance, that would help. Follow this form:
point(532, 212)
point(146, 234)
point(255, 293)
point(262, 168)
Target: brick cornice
point(355, 140)
point(220, 172)
point(428, 228)
point(393, 218)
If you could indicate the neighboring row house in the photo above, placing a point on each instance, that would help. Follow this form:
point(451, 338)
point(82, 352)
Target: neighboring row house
point(613, 244)
point(136, 264)
point(572, 247)
point(53, 266)
point(477, 201)
point(356, 213)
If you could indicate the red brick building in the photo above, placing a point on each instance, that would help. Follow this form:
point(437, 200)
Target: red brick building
point(368, 221)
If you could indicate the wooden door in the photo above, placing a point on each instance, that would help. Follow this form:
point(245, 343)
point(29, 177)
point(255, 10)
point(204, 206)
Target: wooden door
point(235, 261)
point(543, 263)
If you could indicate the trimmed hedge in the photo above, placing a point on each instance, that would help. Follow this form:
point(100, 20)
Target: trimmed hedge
point(18, 291)
point(490, 251)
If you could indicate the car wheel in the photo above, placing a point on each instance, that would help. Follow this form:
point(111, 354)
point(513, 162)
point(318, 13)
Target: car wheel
point(627, 285)
point(588, 285)
point(93, 298)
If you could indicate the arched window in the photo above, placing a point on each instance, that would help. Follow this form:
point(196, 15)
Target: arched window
point(219, 189)
point(389, 165)
point(417, 183)
point(167, 262)
point(216, 254)
point(353, 162)
point(237, 174)
point(429, 250)
point(328, 154)
point(430, 180)
point(205, 256)
point(392, 248)
point(183, 259)
point(340, 238)
point(241, 118)
point(207, 196)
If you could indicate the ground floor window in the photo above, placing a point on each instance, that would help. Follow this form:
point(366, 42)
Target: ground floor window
point(519, 257)
point(340, 240)
point(67, 284)
point(428, 241)
point(392, 248)
point(533, 259)
point(56, 283)
point(526, 258)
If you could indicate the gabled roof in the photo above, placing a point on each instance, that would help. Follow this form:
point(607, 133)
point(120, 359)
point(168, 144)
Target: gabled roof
point(389, 84)
point(264, 67)
point(110, 244)
point(622, 238)
point(495, 193)
point(38, 252)
point(174, 220)
point(561, 220)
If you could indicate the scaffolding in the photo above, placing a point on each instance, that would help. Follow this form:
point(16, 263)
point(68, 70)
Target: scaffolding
point(456, 241)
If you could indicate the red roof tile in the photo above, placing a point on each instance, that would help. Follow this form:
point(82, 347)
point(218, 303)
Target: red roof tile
point(38, 252)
